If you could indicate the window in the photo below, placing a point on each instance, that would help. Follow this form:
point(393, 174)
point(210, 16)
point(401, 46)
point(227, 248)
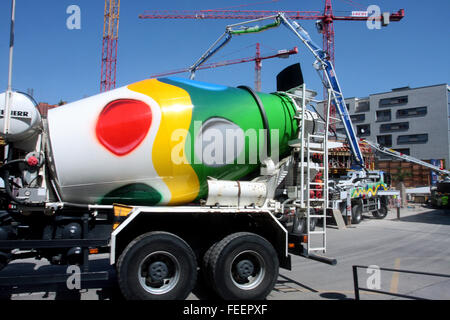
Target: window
point(363, 130)
point(385, 141)
point(358, 118)
point(388, 102)
point(341, 131)
point(412, 112)
point(399, 126)
point(362, 106)
point(413, 138)
point(404, 151)
point(347, 106)
point(384, 115)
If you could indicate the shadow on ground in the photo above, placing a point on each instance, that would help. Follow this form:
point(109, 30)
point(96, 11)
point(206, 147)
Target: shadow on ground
point(334, 296)
point(436, 216)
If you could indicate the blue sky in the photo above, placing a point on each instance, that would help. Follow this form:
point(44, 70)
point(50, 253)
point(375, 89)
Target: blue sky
point(65, 64)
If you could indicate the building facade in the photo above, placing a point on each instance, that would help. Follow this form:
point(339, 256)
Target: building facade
point(414, 121)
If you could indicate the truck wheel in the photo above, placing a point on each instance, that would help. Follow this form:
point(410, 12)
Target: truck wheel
point(312, 224)
point(299, 225)
point(382, 212)
point(157, 266)
point(356, 213)
point(244, 266)
point(205, 269)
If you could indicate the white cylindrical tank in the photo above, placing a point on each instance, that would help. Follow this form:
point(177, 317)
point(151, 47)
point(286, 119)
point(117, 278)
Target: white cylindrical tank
point(25, 117)
point(236, 193)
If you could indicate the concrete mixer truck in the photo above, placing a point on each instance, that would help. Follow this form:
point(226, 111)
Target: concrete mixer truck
point(170, 177)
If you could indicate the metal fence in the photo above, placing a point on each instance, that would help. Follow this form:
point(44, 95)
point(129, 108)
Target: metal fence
point(358, 288)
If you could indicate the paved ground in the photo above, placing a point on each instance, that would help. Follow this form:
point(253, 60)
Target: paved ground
point(419, 242)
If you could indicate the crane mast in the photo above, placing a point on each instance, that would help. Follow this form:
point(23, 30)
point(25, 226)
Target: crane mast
point(109, 48)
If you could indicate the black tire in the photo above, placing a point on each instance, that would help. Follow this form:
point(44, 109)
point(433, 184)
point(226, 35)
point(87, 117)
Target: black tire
point(254, 257)
point(312, 224)
point(356, 214)
point(299, 225)
point(312, 221)
point(205, 268)
point(172, 263)
point(382, 212)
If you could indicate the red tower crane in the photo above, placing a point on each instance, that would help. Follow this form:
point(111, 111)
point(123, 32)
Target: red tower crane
point(109, 48)
point(324, 19)
point(257, 58)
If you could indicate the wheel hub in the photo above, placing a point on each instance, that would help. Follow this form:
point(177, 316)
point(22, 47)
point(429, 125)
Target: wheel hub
point(158, 271)
point(245, 268)
point(248, 270)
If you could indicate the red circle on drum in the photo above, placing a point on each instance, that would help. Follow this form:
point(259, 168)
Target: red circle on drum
point(123, 125)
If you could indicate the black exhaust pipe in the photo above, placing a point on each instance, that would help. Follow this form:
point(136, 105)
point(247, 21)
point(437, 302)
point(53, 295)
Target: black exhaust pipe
point(330, 261)
point(323, 259)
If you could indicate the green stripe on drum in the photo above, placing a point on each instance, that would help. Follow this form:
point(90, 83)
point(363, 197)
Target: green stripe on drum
point(138, 194)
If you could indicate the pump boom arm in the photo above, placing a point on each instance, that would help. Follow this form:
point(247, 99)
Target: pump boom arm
point(322, 64)
point(405, 157)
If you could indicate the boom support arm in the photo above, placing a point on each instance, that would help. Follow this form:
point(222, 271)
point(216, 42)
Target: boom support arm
point(321, 64)
point(402, 156)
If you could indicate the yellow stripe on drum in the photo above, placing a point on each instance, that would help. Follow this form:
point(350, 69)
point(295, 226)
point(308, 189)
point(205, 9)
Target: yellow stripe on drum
point(176, 114)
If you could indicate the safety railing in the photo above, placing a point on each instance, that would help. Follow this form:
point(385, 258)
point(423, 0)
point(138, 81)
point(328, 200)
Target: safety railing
point(357, 288)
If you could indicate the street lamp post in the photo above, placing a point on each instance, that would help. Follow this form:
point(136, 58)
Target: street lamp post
point(8, 95)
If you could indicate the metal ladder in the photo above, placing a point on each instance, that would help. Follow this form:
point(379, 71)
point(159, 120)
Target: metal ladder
point(309, 146)
point(316, 206)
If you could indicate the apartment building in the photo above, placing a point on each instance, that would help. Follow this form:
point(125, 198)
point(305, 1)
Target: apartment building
point(414, 121)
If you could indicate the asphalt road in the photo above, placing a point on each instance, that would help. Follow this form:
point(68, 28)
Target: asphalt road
point(420, 241)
